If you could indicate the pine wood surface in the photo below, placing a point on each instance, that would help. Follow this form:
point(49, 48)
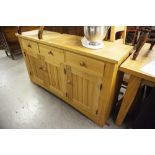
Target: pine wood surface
point(112, 52)
point(84, 78)
point(134, 66)
point(137, 77)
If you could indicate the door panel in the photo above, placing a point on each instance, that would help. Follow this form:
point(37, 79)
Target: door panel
point(55, 78)
point(83, 89)
point(38, 72)
point(55, 70)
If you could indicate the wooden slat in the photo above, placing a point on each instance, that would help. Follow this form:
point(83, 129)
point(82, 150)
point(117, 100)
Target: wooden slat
point(69, 83)
point(89, 77)
point(56, 78)
point(50, 68)
point(90, 93)
point(107, 93)
point(96, 94)
point(59, 78)
point(85, 90)
point(33, 66)
point(63, 77)
point(79, 79)
point(75, 87)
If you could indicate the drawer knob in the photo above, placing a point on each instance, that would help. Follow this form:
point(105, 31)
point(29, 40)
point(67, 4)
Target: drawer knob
point(50, 52)
point(42, 68)
point(82, 64)
point(69, 82)
point(29, 46)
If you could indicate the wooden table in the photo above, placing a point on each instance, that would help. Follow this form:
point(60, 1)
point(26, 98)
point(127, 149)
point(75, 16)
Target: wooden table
point(137, 76)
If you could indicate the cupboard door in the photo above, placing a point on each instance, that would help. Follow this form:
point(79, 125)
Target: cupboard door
point(56, 78)
point(38, 73)
point(56, 75)
point(83, 89)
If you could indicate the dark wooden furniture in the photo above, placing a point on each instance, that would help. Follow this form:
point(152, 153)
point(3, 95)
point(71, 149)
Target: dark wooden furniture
point(4, 44)
point(8, 40)
point(146, 34)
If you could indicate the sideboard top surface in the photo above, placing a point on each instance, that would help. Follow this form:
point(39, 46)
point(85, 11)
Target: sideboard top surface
point(111, 52)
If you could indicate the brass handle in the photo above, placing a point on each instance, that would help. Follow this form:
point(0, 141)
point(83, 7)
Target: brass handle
point(29, 46)
point(82, 64)
point(69, 82)
point(50, 52)
point(42, 68)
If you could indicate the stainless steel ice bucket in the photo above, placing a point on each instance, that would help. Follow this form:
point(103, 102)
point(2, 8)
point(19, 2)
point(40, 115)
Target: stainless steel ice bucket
point(95, 34)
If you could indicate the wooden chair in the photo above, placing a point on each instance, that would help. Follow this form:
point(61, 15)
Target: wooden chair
point(118, 34)
point(147, 34)
point(119, 39)
point(74, 30)
point(40, 32)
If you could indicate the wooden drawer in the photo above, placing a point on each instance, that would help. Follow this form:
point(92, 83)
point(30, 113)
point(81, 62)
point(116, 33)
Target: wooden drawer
point(85, 63)
point(51, 53)
point(29, 46)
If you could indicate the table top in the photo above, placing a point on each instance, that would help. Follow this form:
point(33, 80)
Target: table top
point(111, 52)
point(133, 67)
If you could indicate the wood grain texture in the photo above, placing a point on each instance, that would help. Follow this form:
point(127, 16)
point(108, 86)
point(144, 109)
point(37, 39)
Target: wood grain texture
point(83, 89)
point(77, 75)
point(132, 89)
point(137, 78)
point(134, 66)
point(112, 52)
point(115, 30)
point(107, 93)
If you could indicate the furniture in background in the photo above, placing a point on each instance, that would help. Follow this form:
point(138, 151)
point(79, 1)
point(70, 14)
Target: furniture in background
point(74, 30)
point(137, 78)
point(9, 42)
point(115, 33)
point(84, 78)
point(4, 44)
point(130, 34)
point(146, 34)
point(118, 34)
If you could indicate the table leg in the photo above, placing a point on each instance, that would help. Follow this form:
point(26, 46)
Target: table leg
point(130, 94)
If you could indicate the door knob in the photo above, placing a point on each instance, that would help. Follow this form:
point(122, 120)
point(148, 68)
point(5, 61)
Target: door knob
point(42, 68)
point(82, 64)
point(50, 52)
point(69, 82)
point(29, 46)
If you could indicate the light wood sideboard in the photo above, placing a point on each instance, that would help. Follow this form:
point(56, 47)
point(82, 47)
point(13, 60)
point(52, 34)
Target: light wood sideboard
point(84, 78)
